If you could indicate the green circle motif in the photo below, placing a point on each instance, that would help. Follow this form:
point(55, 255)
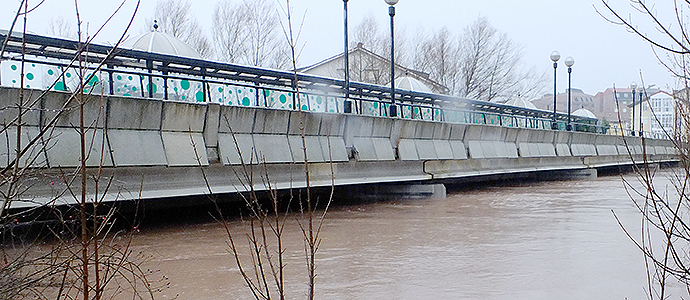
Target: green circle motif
point(119, 77)
point(319, 100)
point(129, 77)
point(246, 101)
point(134, 89)
point(152, 87)
point(283, 99)
point(199, 96)
point(50, 72)
point(30, 76)
point(184, 84)
point(68, 75)
point(220, 89)
point(93, 81)
point(14, 67)
point(60, 86)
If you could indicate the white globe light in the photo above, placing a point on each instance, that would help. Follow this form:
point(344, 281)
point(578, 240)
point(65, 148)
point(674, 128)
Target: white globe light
point(391, 2)
point(633, 85)
point(569, 62)
point(555, 56)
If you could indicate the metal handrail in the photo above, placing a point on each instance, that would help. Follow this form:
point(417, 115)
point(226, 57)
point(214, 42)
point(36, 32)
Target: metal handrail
point(148, 65)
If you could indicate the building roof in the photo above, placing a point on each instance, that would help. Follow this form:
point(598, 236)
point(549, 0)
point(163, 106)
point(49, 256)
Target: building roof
point(160, 42)
point(359, 49)
point(409, 83)
point(583, 112)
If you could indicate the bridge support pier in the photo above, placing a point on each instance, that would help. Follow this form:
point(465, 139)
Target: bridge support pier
point(578, 174)
point(401, 191)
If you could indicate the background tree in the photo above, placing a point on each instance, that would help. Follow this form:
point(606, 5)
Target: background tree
point(247, 33)
point(370, 69)
point(61, 27)
point(174, 18)
point(438, 56)
point(480, 63)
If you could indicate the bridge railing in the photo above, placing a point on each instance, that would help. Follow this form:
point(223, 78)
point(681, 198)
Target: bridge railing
point(49, 65)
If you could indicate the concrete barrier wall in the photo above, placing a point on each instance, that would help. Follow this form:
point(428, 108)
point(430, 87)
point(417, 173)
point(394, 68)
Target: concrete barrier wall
point(142, 132)
point(275, 136)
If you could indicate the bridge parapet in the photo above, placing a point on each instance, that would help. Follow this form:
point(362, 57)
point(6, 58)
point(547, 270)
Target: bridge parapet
point(167, 141)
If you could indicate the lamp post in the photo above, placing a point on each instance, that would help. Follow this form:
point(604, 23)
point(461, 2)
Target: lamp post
point(555, 56)
point(569, 62)
point(347, 105)
point(633, 86)
point(391, 12)
point(641, 105)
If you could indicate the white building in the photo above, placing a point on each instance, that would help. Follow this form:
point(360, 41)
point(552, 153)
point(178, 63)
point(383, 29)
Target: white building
point(660, 121)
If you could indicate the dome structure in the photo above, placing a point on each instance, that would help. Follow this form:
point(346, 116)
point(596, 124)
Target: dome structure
point(163, 43)
point(410, 84)
point(583, 112)
point(519, 102)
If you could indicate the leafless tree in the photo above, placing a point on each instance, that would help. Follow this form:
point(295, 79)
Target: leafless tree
point(665, 233)
point(480, 63)
point(488, 63)
point(174, 17)
point(372, 64)
point(367, 33)
point(61, 27)
point(84, 262)
point(229, 36)
point(438, 56)
point(247, 33)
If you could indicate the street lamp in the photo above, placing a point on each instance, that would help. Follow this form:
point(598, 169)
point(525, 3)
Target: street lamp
point(569, 62)
point(641, 106)
point(633, 86)
point(555, 56)
point(347, 104)
point(391, 12)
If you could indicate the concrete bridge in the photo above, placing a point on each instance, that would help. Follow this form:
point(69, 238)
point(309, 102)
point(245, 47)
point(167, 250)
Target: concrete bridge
point(157, 149)
point(152, 142)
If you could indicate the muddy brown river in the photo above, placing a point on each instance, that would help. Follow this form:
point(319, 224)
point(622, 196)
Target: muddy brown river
point(531, 240)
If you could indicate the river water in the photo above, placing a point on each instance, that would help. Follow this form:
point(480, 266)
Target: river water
point(527, 240)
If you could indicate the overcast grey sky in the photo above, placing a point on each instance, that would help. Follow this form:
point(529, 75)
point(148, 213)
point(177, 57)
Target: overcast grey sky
point(605, 54)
